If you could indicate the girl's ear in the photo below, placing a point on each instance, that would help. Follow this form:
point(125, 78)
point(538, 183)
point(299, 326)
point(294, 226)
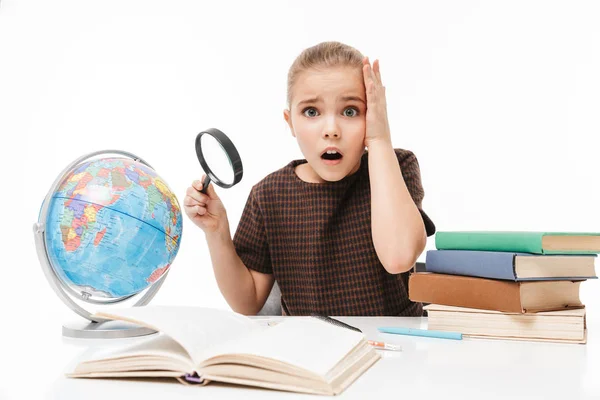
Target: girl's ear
point(288, 118)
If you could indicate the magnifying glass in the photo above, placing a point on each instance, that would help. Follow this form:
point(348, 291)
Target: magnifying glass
point(219, 159)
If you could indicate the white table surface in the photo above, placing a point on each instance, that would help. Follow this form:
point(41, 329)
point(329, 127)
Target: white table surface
point(426, 368)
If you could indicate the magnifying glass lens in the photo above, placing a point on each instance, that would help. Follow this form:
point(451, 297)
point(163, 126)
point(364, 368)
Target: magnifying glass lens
point(216, 157)
point(219, 159)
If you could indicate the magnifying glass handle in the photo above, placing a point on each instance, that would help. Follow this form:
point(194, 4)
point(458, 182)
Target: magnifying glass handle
point(205, 184)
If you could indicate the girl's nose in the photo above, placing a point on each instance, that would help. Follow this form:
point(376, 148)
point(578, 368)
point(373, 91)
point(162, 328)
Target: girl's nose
point(331, 129)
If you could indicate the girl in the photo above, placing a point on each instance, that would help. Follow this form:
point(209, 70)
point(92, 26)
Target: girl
point(338, 231)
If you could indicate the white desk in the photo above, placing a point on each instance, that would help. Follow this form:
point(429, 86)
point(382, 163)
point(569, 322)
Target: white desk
point(426, 368)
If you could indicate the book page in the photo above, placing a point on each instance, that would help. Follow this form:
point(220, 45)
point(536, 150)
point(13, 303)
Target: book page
point(194, 328)
point(155, 352)
point(153, 345)
point(306, 343)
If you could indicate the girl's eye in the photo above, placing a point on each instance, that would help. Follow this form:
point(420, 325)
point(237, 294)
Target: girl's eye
point(350, 112)
point(310, 112)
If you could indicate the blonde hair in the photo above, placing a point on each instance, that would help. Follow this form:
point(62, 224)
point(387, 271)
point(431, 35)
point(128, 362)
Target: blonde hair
point(323, 55)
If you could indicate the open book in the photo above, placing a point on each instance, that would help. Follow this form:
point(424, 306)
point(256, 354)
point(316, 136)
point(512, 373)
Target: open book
point(199, 345)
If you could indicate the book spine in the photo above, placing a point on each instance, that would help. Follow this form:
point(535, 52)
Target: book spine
point(515, 242)
point(463, 291)
point(484, 264)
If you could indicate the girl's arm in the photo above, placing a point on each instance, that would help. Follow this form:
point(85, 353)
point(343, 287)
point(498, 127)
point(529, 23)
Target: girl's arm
point(397, 227)
point(245, 290)
point(396, 224)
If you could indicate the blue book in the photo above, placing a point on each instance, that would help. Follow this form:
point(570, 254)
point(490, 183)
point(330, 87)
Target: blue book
point(511, 266)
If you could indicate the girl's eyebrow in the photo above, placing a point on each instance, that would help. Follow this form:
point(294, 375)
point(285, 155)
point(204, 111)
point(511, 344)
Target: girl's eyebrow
point(343, 98)
point(355, 98)
point(311, 100)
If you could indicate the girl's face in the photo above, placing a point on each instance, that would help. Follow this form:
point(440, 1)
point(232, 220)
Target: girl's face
point(327, 117)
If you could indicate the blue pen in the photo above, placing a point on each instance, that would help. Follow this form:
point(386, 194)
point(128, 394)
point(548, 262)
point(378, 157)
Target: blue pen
point(421, 332)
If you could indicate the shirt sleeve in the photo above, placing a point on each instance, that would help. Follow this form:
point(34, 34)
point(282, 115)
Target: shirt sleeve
point(412, 178)
point(250, 239)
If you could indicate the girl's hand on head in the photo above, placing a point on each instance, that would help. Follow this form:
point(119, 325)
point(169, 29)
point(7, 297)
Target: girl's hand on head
point(205, 210)
point(376, 119)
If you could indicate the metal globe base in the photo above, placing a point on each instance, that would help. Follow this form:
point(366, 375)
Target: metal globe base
point(104, 330)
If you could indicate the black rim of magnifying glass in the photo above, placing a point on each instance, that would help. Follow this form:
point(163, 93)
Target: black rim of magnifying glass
point(232, 154)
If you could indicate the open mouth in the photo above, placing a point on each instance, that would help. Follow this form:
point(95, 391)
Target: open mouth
point(331, 155)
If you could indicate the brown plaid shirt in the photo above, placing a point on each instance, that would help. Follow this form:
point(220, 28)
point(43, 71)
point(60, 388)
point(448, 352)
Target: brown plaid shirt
point(316, 240)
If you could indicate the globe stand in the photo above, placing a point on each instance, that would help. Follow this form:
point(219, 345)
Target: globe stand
point(104, 330)
point(93, 328)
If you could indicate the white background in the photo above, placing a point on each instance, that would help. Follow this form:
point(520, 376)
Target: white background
point(499, 101)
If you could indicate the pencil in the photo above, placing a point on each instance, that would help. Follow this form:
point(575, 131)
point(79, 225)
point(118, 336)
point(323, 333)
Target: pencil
point(385, 346)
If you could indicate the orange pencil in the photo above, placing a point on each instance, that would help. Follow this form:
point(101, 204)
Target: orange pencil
point(385, 346)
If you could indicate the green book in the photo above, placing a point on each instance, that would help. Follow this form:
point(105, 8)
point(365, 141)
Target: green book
point(523, 242)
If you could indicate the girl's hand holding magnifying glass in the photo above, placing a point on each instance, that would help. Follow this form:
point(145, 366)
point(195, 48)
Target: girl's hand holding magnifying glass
point(205, 210)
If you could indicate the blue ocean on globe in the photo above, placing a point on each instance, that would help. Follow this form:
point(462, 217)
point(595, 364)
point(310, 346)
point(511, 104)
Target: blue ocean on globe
point(113, 228)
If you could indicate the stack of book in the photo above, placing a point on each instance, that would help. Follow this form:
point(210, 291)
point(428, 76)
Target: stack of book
point(509, 285)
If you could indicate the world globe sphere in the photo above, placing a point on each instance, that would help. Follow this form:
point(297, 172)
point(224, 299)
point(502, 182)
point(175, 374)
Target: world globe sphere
point(112, 229)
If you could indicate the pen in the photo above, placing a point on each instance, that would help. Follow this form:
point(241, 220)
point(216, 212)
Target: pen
point(421, 332)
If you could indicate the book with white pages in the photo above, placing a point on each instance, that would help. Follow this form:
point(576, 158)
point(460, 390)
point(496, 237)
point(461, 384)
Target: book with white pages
point(564, 326)
point(200, 345)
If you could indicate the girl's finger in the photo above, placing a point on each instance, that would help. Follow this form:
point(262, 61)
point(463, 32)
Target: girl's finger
point(373, 77)
point(366, 67)
point(367, 76)
point(196, 210)
point(197, 185)
point(196, 195)
point(377, 71)
point(190, 202)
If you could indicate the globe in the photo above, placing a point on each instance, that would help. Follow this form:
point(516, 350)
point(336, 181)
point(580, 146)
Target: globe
point(108, 230)
point(113, 228)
